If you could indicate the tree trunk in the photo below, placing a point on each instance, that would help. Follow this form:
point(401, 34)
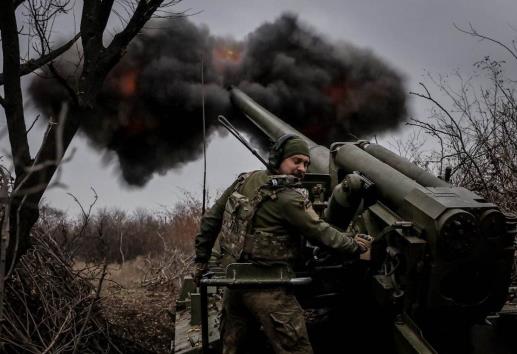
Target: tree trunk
point(33, 176)
point(30, 187)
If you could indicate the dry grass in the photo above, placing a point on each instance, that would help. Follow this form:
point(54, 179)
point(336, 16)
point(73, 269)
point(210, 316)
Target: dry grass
point(127, 275)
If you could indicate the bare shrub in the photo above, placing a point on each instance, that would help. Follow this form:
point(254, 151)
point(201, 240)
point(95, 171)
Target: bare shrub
point(183, 224)
point(154, 249)
point(474, 123)
point(49, 307)
point(166, 271)
point(116, 236)
point(52, 300)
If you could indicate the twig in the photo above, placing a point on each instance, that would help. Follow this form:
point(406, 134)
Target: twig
point(32, 125)
point(34, 64)
point(473, 32)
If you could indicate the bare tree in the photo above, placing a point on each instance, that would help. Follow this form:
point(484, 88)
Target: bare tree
point(34, 173)
point(474, 122)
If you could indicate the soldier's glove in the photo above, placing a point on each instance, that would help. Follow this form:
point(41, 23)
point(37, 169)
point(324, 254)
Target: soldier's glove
point(199, 270)
point(364, 242)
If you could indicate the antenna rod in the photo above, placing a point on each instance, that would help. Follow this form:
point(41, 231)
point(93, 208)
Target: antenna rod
point(204, 136)
point(222, 119)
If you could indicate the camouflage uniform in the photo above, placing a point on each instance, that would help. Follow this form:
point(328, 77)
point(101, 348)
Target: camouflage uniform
point(281, 216)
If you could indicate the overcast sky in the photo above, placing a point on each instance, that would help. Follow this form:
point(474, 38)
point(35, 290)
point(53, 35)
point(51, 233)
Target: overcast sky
point(414, 36)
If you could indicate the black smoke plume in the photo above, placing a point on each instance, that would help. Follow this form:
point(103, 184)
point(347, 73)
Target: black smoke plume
point(150, 113)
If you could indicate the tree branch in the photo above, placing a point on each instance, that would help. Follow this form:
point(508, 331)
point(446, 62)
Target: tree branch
point(104, 14)
point(91, 39)
point(142, 14)
point(475, 33)
point(98, 60)
point(62, 81)
point(32, 125)
point(34, 64)
point(459, 133)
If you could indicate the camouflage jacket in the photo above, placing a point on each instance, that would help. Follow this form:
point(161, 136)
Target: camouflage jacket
point(289, 213)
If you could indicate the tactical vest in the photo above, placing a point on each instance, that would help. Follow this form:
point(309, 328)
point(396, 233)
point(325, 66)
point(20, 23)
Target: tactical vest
point(238, 238)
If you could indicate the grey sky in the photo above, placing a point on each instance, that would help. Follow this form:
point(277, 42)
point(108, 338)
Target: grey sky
point(414, 36)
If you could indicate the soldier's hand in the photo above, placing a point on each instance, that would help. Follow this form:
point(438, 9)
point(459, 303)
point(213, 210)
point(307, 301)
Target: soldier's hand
point(364, 242)
point(199, 270)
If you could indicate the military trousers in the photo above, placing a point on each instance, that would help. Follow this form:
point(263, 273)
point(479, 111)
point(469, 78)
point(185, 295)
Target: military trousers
point(276, 311)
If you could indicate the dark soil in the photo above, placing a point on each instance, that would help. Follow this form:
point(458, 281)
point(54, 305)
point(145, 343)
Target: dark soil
point(142, 321)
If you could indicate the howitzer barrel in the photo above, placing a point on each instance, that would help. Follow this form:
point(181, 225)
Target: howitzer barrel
point(393, 185)
point(403, 165)
point(274, 128)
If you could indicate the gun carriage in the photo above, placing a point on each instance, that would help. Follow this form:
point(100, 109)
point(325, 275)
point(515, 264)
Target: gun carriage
point(441, 259)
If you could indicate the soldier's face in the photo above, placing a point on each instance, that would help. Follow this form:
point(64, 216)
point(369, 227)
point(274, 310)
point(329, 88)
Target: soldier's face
point(295, 165)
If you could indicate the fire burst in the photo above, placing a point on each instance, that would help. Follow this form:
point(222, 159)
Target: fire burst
point(227, 54)
point(127, 83)
point(336, 93)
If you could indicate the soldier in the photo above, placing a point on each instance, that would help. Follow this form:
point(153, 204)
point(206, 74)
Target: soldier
point(260, 218)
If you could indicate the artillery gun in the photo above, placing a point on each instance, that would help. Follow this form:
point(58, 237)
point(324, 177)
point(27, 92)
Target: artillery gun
point(441, 259)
